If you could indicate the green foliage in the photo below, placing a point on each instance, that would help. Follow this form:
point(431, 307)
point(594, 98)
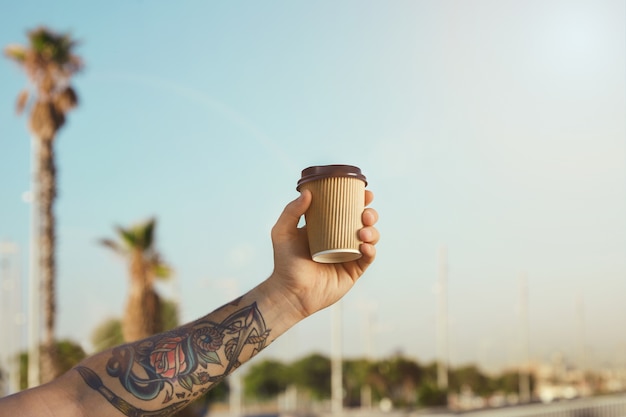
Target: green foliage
point(218, 393)
point(69, 354)
point(430, 371)
point(139, 236)
point(396, 378)
point(169, 314)
point(162, 271)
point(16, 53)
point(107, 335)
point(404, 381)
point(470, 376)
point(508, 382)
point(355, 375)
point(48, 59)
point(52, 46)
point(313, 373)
point(266, 379)
point(23, 370)
point(431, 396)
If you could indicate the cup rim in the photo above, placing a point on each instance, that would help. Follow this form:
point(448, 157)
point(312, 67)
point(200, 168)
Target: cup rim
point(318, 172)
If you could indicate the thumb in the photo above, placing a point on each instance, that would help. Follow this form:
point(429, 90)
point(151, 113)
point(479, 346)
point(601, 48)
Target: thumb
point(288, 221)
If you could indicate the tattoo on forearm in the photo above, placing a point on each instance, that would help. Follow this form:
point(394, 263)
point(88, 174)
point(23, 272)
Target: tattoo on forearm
point(176, 367)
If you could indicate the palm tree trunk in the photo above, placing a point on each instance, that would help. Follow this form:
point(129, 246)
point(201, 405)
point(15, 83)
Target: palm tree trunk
point(142, 314)
point(142, 317)
point(47, 194)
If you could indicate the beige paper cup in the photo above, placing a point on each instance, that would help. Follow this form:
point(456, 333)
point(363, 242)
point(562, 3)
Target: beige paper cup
point(334, 217)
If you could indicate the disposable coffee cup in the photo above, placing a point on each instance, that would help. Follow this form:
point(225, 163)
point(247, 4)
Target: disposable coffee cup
point(334, 217)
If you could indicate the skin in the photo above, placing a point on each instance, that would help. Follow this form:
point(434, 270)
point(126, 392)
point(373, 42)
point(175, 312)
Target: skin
point(161, 374)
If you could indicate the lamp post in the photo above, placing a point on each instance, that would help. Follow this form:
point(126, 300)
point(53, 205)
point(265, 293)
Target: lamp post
point(366, 389)
point(524, 372)
point(336, 376)
point(582, 350)
point(442, 321)
point(34, 316)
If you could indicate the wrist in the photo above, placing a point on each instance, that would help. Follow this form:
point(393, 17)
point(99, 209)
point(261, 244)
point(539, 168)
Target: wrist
point(282, 300)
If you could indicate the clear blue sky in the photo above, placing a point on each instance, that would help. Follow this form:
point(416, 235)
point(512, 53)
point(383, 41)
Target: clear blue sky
point(496, 128)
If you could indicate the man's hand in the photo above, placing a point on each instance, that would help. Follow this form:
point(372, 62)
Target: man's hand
point(307, 285)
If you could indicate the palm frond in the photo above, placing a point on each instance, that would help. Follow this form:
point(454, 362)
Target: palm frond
point(16, 53)
point(22, 100)
point(148, 233)
point(66, 100)
point(139, 236)
point(114, 246)
point(128, 237)
point(51, 46)
point(162, 271)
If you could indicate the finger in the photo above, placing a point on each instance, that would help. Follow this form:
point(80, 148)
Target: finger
point(369, 217)
point(369, 235)
point(369, 197)
point(369, 253)
point(288, 221)
point(368, 250)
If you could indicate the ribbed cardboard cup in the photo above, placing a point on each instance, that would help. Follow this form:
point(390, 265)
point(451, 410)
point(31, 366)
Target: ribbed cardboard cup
point(334, 217)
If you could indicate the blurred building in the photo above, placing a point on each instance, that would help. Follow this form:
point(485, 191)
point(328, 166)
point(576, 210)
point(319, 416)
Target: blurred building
point(11, 318)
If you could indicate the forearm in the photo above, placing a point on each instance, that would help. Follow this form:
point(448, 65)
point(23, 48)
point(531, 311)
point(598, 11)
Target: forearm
point(163, 373)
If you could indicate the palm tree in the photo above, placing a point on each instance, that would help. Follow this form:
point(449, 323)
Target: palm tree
point(142, 316)
point(49, 64)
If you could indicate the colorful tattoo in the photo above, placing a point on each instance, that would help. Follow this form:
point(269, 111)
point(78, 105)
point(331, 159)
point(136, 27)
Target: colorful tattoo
point(182, 364)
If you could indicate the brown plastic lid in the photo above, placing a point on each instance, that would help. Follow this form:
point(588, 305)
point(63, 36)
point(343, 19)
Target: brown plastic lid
point(326, 171)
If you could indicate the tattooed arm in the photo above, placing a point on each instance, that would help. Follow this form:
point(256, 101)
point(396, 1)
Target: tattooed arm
point(160, 375)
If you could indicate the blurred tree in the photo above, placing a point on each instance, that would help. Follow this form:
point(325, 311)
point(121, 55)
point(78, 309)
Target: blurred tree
point(429, 395)
point(508, 382)
point(142, 316)
point(107, 335)
point(470, 376)
point(313, 373)
point(219, 392)
point(68, 352)
point(49, 64)
point(266, 379)
point(169, 314)
point(397, 378)
point(430, 371)
point(356, 373)
point(23, 370)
